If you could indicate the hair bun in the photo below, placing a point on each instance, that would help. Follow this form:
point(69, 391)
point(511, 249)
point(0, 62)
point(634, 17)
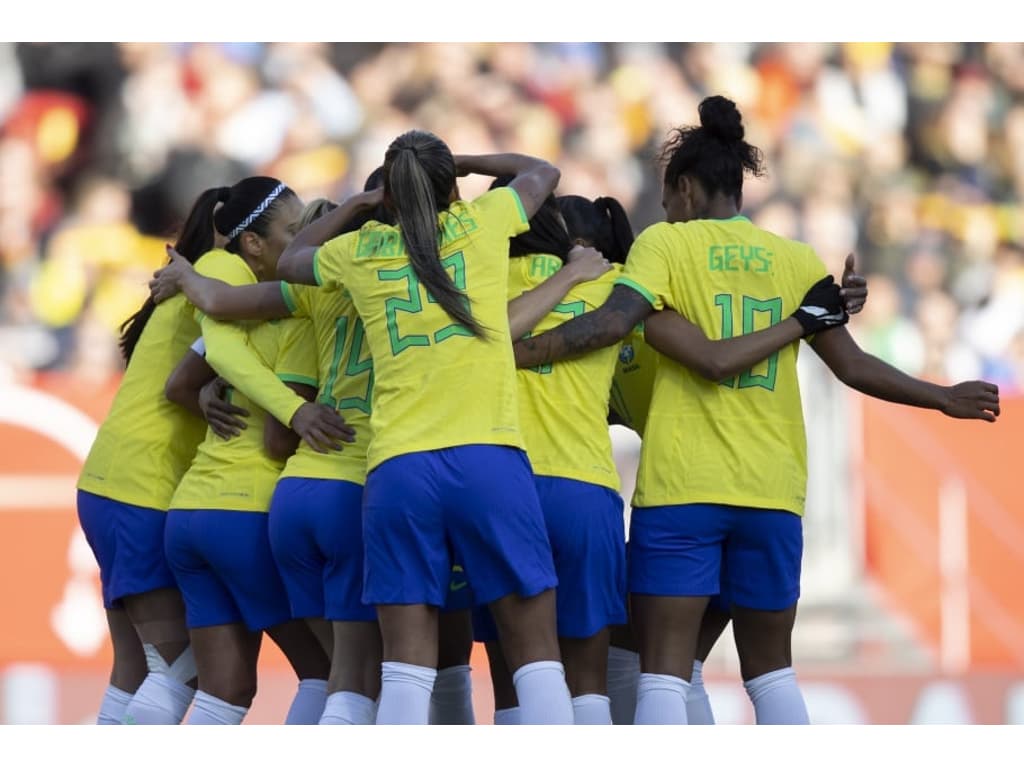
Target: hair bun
point(223, 193)
point(720, 117)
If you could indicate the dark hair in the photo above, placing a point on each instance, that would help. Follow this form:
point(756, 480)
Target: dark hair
point(196, 238)
point(714, 153)
point(380, 213)
point(603, 223)
point(419, 175)
point(547, 232)
point(247, 207)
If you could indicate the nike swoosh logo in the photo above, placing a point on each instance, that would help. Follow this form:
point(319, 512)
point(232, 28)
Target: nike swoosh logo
point(455, 586)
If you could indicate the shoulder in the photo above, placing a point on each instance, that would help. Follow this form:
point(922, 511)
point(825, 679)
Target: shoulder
point(222, 265)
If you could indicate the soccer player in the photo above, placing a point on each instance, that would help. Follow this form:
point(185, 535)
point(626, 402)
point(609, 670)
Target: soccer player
point(216, 535)
point(140, 453)
point(446, 462)
point(715, 508)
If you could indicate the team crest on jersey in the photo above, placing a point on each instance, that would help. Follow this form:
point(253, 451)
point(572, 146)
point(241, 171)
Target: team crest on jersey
point(626, 354)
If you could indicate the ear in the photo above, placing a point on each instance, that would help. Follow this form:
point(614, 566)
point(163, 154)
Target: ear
point(251, 243)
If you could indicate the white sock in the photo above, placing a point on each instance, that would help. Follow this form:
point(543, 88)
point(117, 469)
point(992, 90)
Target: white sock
point(209, 710)
point(777, 699)
point(623, 676)
point(661, 700)
point(451, 702)
point(405, 694)
point(698, 705)
point(591, 709)
point(508, 716)
point(112, 707)
point(349, 708)
point(160, 700)
point(542, 693)
point(308, 704)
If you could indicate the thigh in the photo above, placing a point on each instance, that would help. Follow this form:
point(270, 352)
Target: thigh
point(340, 538)
point(496, 524)
point(762, 559)
point(585, 526)
point(406, 552)
point(97, 520)
point(676, 551)
point(237, 546)
point(208, 601)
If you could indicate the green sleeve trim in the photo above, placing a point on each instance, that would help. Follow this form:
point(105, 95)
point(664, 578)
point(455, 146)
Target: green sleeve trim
point(294, 378)
point(639, 289)
point(519, 205)
point(316, 267)
point(286, 294)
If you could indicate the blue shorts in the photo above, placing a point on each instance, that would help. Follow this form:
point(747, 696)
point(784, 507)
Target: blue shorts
point(460, 593)
point(316, 535)
point(751, 556)
point(587, 533)
point(128, 543)
point(479, 501)
point(225, 568)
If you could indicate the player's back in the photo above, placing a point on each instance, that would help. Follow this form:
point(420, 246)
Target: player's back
point(146, 442)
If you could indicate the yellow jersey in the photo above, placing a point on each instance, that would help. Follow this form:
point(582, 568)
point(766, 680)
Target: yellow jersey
point(228, 348)
point(145, 444)
point(345, 373)
point(237, 474)
point(739, 441)
point(436, 386)
point(563, 406)
point(633, 382)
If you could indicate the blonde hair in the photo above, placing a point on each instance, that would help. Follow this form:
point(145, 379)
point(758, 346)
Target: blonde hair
point(315, 209)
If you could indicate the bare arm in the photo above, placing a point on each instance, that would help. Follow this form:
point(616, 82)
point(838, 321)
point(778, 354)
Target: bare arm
point(534, 180)
point(603, 327)
point(866, 373)
point(185, 381)
point(280, 441)
point(219, 300)
point(677, 338)
point(525, 311)
point(296, 263)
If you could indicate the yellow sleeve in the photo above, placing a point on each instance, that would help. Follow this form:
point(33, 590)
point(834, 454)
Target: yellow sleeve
point(296, 353)
point(296, 298)
point(227, 345)
point(228, 352)
point(329, 260)
point(502, 208)
point(647, 266)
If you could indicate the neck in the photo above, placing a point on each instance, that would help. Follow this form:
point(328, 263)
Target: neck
point(721, 207)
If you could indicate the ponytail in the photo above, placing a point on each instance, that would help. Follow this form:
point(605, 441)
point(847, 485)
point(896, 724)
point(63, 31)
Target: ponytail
point(196, 238)
point(414, 195)
point(621, 230)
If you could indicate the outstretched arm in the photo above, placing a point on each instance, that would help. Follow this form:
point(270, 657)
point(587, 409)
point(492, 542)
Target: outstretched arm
point(528, 309)
point(219, 300)
point(606, 325)
point(534, 180)
point(677, 338)
point(296, 264)
point(866, 373)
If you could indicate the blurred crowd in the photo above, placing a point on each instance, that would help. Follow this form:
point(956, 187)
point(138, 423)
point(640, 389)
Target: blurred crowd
point(909, 155)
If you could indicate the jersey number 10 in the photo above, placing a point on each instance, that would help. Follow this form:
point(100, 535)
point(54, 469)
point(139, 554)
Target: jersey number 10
point(750, 307)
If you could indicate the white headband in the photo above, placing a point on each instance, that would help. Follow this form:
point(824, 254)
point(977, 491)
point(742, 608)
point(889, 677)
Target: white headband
point(256, 213)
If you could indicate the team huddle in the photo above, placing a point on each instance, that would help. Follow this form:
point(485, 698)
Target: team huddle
point(377, 432)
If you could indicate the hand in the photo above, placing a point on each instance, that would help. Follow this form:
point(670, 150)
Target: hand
point(221, 415)
point(854, 288)
point(586, 263)
point(166, 282)
point(972, 400)
point(822, 307)
point(322, 427)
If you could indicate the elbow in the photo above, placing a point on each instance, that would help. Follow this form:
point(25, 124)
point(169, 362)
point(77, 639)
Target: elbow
point(712, 370)
point(174, 391)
